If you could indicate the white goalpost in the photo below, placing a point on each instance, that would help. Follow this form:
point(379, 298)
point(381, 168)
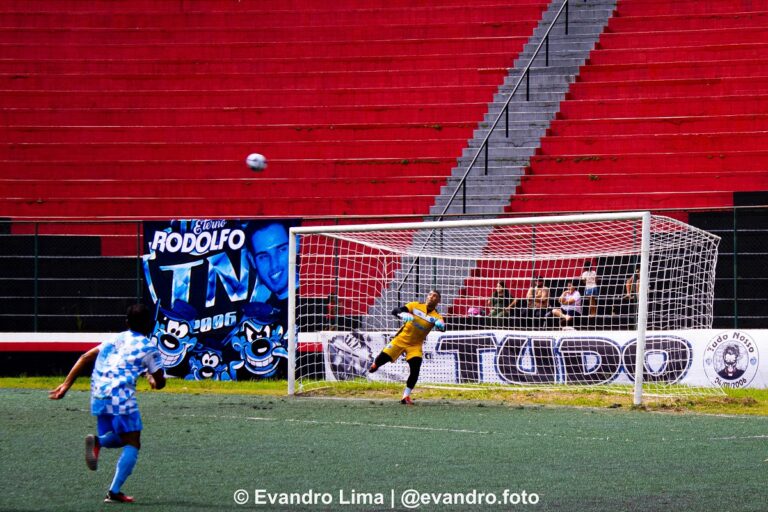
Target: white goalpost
point(540, 302)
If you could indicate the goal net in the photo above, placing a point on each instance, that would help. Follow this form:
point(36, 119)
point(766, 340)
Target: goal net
point(582, 300)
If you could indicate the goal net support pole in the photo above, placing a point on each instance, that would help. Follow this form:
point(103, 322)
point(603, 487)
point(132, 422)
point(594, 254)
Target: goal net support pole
point(642, 306)
point(292, 331)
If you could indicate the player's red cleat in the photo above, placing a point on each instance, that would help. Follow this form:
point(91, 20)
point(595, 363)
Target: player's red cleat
point(92, 452)
point(406, 401)
point(117, 497)
point(373, 368)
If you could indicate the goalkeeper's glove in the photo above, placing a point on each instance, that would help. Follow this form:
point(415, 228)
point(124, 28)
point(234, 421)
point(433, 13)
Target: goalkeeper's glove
point(439, 325)
point(405, 317)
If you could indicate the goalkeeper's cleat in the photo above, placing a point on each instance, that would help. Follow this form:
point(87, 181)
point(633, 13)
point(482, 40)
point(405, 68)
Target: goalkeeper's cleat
point(117, 497)
point(92, 452)
point(406, 401)
point(373, 368)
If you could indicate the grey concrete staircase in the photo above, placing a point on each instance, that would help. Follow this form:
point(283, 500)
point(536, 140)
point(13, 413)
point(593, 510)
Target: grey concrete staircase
point(528, 120)
point(508, 156)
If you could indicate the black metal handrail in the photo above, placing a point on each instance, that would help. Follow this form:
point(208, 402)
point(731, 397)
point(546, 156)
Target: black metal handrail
point(462, 185)
point(505, 111)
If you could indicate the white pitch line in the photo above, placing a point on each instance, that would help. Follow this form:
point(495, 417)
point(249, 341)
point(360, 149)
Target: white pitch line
point(733, 438)
point(320, 422)
point(385, 425)
point(217, 416)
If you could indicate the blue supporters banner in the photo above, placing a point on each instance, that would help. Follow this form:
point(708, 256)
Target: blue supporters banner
point(220, 292)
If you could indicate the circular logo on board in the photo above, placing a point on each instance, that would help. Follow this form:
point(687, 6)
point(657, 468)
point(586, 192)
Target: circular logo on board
point(731, 359)
point(349, 355)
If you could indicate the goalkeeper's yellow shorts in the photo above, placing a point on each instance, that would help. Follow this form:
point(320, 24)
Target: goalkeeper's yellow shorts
point(395, 349)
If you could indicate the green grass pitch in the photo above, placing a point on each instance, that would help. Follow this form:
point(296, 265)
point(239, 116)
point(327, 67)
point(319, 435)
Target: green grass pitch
point(199, 449)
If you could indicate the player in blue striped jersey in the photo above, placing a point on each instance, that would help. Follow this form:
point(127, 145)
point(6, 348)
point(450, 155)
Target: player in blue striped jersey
point(118, 363)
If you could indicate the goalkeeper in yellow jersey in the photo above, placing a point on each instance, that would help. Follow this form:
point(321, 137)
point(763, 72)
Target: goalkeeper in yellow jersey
point(419, 320)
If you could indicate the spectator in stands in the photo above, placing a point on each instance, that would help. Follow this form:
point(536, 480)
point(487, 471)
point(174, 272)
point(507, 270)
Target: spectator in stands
point(632, 287)
point(570, 304)
point(501, 303)
point(538, 298)
point(591, 288)
point(628, 303)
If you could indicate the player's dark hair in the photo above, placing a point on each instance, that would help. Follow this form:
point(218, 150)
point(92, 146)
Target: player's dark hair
point(439, 295)
point(139, 319)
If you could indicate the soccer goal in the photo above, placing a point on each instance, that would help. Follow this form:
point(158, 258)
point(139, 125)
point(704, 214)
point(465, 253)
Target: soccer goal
point(544, 302)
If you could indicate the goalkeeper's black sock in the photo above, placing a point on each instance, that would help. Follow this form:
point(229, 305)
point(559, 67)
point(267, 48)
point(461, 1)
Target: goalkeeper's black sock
point(415, 365)
point(381, 359)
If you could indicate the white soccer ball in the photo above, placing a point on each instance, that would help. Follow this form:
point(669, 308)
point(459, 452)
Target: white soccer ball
point(256, 162)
